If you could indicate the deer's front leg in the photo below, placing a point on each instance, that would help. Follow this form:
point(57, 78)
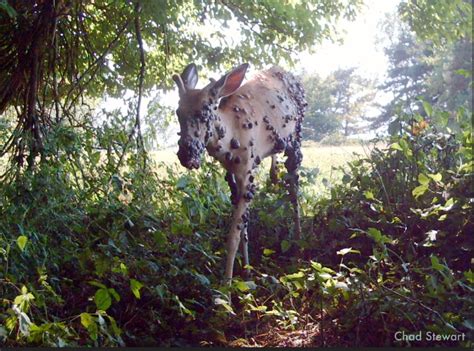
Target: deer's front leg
point(233, 237)
point(242, 190)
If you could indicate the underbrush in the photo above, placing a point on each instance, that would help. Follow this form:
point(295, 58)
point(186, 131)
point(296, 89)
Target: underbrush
point(96, 255)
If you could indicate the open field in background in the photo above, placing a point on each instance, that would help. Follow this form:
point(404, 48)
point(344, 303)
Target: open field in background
point(322, 157)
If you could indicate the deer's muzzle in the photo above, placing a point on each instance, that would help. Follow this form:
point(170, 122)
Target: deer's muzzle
point(190, 152)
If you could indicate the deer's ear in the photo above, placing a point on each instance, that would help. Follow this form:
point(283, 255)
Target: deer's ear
point(190, 76)
point(230, 82)
point(179, 83)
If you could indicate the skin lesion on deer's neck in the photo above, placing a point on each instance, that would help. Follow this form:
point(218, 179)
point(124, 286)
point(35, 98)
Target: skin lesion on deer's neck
point(216, 145)
point(229, 139)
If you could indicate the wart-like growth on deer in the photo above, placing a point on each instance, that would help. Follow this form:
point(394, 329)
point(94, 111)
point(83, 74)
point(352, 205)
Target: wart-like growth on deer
point(240, 125)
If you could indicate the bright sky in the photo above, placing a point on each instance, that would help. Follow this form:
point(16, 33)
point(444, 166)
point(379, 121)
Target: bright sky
point(359, 48)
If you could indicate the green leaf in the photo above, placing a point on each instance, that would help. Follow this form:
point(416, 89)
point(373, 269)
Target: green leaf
point(428, 108)
point(88, 322)
point(419, 190)
point(161, 290)
point(86, 319)
point(123, 268)
point(258, 308)
point(285, 246)
point(102, 299)
point(405, 148)
point(396, 146)
point(8, 9)
point(435, 264)
point(345, 251)
point(325, 276)
point(436, 177)
point(448, 205)
point(95, 157)
point(369, 195)
point(3, 334)
point(328, 270)
point(23, 300)
point(117, 331)
point(469, 275)
point(11, 322)
point(21, 242)
point(297, 275)
point(114, 293)
point(423, 179)
point(378, 236)
point(346, 179)
point(463, 72)
point(222, 302)
point(135, 285)
point(245, 285)
point(394, 127)
point(241, 286)
point(316, 265)
point(97, 284)
point(268, 252)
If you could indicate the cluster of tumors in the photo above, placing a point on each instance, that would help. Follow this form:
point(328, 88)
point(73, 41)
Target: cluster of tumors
point(291, 143)
point(292, 99)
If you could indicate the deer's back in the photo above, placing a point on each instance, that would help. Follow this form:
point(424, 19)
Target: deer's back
point(265, 112)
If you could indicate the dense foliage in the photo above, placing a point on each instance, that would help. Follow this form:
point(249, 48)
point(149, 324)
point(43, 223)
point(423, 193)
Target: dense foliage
point(441, 22)
point(100, 246)
point(136, 258)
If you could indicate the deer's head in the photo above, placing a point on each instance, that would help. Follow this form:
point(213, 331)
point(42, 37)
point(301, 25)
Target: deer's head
point(198, 110)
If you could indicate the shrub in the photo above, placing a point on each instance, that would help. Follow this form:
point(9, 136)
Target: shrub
point(97, 254)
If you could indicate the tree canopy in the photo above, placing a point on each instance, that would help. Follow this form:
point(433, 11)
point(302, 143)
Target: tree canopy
point(54, 54)
point(337, 103)
point(439, 21)
point(419, 70)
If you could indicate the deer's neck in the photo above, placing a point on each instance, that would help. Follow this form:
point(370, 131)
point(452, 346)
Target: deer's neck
point(219, 132)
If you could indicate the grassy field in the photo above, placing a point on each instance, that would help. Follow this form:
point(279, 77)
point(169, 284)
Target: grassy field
point(322, 157)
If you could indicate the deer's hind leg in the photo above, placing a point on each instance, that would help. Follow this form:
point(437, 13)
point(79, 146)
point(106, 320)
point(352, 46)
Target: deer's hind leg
point(244, 239)
point(292, 163)
point(273, 170)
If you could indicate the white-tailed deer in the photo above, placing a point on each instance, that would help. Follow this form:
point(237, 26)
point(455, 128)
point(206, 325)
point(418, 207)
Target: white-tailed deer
point(240, 126)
